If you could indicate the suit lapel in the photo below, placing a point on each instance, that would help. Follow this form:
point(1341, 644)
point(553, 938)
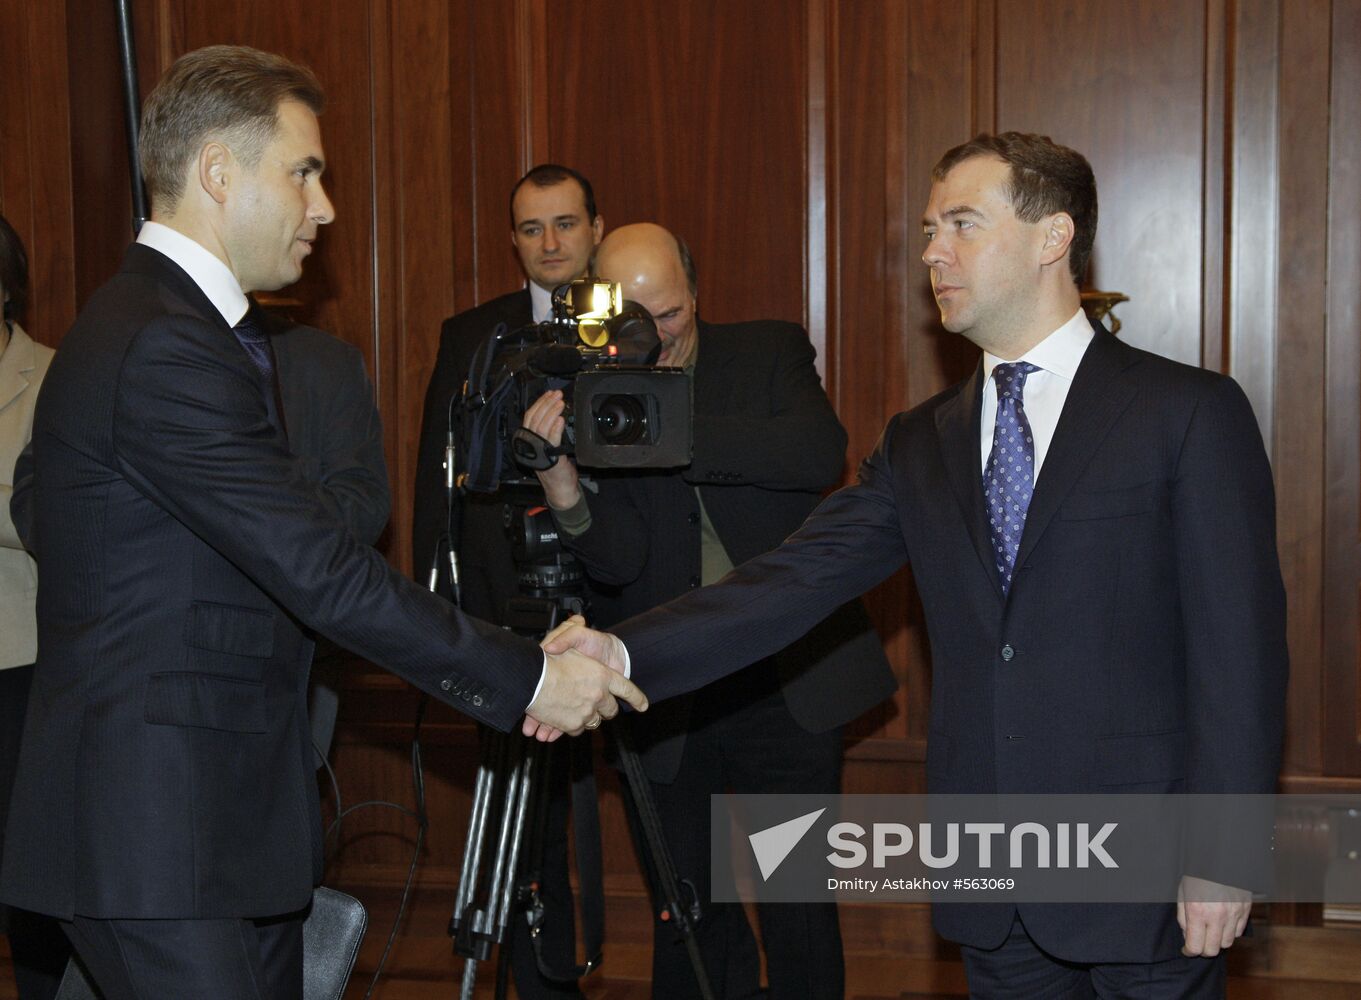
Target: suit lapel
point(1097, 397)
point(958, 432)
point(18, 359)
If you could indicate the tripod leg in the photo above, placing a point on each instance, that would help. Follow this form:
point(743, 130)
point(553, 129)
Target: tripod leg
point(655, 843)
point(469, 979)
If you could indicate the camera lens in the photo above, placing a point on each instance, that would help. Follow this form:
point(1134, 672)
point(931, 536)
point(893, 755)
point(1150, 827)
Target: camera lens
point(621, 420)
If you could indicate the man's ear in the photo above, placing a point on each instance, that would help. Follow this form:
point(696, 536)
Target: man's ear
point(214, 170)
point(597, 230)
point(1058, 236)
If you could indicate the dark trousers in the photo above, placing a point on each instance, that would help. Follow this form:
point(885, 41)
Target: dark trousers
point(204, 959)
point(1021, 970)
point(37, 946)
point(742, 739)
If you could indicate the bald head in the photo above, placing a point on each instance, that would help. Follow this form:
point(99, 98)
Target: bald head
point(646, 260)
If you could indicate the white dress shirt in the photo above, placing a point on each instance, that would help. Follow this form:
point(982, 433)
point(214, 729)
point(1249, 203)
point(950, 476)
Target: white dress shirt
point(1057, 357)
point(540, 303)
point(214, 278)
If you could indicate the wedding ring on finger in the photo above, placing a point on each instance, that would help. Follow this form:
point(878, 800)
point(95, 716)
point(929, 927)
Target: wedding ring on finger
point(593, 724)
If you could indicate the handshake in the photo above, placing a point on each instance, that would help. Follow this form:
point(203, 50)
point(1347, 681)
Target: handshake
point(583, 680)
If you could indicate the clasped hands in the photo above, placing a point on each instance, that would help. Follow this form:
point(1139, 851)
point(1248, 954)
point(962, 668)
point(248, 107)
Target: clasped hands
point(584, 679)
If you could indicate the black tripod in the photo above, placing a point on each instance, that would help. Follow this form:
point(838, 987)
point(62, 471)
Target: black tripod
point(510, 795)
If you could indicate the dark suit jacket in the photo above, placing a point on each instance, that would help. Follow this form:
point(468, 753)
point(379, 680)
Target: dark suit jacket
point(1141, 648)
point(333, 425)
point(766, 445)
point(165, 770)
point(488, 570)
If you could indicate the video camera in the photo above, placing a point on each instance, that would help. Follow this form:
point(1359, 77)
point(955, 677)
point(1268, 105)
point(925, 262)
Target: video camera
point(601, 350)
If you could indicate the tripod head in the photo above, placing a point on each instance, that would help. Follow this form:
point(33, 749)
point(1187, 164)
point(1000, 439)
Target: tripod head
point(551, 581)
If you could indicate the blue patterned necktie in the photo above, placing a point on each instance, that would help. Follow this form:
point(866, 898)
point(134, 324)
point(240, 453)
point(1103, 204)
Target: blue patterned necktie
point(250, 331)
point(1009, 479)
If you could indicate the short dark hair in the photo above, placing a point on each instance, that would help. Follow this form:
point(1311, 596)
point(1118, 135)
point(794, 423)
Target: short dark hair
point(1045, 178)
point(231, 90)
point(687, 264)
point(548, 174)
point(13, 270)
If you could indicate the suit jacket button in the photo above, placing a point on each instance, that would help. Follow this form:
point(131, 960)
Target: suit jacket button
point(477, 701)
point(694, 517)
point(694, 581)
point(1008, 652)
point(445, 684)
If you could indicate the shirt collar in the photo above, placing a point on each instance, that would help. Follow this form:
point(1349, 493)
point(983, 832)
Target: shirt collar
point(1059, 353)
point(213, 277)
point(540, 302)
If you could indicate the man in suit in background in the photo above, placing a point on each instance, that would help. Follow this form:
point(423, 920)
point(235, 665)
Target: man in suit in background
point(1092, 531)
point(165, 806)
point(332, 422)
point(767, 444)
point(554, 227)
point(336, 435)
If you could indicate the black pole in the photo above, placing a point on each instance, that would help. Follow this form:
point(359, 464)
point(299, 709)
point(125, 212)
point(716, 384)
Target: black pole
point(132, 111)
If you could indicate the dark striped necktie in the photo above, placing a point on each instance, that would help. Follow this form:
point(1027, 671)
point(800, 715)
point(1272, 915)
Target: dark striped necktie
point(250, 331)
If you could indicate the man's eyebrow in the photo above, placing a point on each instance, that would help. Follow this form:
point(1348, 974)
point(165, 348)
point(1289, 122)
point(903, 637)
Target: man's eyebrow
point(312, 164)
point(956, 212)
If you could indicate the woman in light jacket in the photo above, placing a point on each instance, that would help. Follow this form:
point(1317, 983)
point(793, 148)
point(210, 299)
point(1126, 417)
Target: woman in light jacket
point(37, 944)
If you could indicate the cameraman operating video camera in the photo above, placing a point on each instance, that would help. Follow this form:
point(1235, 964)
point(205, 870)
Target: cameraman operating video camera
point(766, 445)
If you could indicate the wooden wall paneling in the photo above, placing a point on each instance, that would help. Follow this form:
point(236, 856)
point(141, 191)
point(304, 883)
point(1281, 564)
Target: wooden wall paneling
point(1300, 372)
point(1123, 84)
point(531, 64)
point(693, 116)
point(949, 98)
point(820, 257)
point(1342, 545)
point(1213, 327)
point(35, 170)
point(389, 364)
point(871, 355)
point(421, 173)
point(1253, 196)
point(101, 183)
point(497, 111)
point(870, 352)
point(984, 82)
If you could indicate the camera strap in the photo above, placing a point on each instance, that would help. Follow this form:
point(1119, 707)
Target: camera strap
point(533, 453)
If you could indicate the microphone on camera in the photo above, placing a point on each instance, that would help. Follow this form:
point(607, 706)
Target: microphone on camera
point(558, 359)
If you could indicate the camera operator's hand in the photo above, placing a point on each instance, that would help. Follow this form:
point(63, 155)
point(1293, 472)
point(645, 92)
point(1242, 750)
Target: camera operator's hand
point(544, 417)
point(578, 693)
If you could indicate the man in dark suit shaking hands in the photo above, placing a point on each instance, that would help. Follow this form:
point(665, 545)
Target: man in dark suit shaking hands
point(1092, 531)
point(165, 806)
